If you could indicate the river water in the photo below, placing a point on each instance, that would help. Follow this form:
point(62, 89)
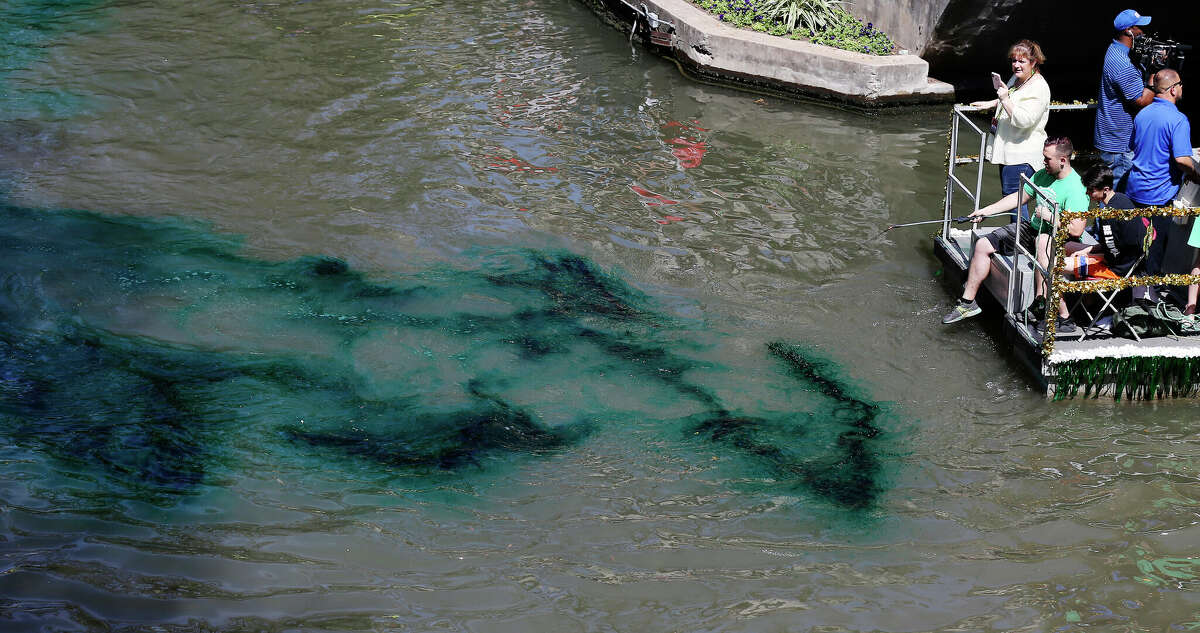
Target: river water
point(471, 317)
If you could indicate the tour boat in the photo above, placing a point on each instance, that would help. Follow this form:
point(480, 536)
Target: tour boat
point(1093, 360)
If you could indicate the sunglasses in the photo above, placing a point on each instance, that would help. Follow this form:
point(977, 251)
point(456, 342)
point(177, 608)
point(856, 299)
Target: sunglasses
point(1168, 88)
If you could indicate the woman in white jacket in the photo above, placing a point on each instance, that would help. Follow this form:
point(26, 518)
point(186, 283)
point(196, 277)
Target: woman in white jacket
point(1022, 108)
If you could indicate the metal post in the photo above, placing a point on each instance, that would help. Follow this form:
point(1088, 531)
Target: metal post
point(953, 159)
point(979, 176)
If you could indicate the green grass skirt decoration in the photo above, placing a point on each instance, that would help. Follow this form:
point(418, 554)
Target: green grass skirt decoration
point(1137, 377)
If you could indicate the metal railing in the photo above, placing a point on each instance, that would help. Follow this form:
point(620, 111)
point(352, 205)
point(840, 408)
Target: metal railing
point(953, 184)
point(1040, 199)
point(960, 123)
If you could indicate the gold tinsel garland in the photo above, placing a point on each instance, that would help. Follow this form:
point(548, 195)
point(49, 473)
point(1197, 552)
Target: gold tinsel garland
point(1061, 285)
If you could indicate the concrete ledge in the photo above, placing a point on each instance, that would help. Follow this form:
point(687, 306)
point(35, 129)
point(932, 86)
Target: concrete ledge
point(714, 50)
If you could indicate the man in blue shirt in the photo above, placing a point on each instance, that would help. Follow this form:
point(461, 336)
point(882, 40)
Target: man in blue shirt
point(1162, 154)
point(1122, 92)
point(1162, 145)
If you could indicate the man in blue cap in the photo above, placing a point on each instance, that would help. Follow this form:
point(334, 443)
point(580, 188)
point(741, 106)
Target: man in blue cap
point(1122, 93)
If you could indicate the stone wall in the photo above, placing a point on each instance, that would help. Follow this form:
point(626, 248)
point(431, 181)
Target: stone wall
point(910, 23)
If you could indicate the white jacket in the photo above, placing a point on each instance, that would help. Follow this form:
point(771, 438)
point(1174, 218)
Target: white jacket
point(1019, 138)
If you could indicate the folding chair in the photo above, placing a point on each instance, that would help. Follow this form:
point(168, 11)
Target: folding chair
point(1111, 296)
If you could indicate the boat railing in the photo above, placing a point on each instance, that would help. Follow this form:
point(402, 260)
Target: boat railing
point(1040, 200)
point(953, 183)
point(962, 126)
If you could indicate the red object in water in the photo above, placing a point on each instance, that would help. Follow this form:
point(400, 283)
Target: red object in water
point(688, 151)
point(650, 194)
point(688, 154)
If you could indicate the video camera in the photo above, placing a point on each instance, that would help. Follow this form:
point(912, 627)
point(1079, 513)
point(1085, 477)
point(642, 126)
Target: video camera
point(1151, 55)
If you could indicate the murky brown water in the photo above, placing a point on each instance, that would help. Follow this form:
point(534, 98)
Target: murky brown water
point(407, 139)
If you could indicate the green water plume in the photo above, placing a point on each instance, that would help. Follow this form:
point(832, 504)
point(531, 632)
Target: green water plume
point(145, 350)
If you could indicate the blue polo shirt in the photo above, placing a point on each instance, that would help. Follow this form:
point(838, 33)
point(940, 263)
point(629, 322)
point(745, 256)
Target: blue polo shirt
point(1161, 134)
point(1120, 85)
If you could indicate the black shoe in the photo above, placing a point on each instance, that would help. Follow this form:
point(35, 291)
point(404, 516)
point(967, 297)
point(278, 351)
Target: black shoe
point(1062, 325)
point(1036, 309)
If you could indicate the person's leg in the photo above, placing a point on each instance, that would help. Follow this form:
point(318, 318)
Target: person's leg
point(1119, 162)
point(977, 271)
point(1010, 181)
point(1042, 253)
point(1156, 256)
point(1071, 267)
point(1120, 175)
point(981, 265)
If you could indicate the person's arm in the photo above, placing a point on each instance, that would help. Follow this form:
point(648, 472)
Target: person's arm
point(1077, 203)
point(1188, 166)
point(985, 105)
point(1181, 147)
point(1007, 203)
point(1133, 89)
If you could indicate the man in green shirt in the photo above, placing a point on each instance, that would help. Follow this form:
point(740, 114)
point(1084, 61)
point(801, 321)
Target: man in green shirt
point(1057, 182)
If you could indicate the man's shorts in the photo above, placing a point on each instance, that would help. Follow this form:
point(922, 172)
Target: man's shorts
point(1003, 238)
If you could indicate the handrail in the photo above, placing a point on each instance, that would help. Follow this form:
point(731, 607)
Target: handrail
point(960, 115)
point(1038, 195)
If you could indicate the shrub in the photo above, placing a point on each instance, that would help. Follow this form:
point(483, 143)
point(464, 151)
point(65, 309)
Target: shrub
point(809, 14)
point(849, 33)
point(839, 29)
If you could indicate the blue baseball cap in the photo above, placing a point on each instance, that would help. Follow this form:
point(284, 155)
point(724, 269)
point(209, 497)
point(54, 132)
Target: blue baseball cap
point(1128, 18)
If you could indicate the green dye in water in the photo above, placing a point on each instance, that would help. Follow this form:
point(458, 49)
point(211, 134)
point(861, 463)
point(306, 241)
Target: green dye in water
point(142, 348)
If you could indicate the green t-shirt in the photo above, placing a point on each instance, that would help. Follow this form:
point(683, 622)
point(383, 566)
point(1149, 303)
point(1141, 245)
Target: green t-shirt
point(1069, 192)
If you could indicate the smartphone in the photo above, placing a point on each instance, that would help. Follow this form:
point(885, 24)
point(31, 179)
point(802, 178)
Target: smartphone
point(997, 82)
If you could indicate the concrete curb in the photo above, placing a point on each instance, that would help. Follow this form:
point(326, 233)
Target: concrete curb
point(716, 51)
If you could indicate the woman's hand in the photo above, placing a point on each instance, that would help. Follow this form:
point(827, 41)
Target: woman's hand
point(983, 105)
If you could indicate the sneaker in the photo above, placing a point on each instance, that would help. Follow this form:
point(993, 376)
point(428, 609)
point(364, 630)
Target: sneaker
point(962, 311)
point(1061, 326)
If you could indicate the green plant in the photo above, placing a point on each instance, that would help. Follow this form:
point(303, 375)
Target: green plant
point(809, 14)
point(847, 32)
point(838, 28)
